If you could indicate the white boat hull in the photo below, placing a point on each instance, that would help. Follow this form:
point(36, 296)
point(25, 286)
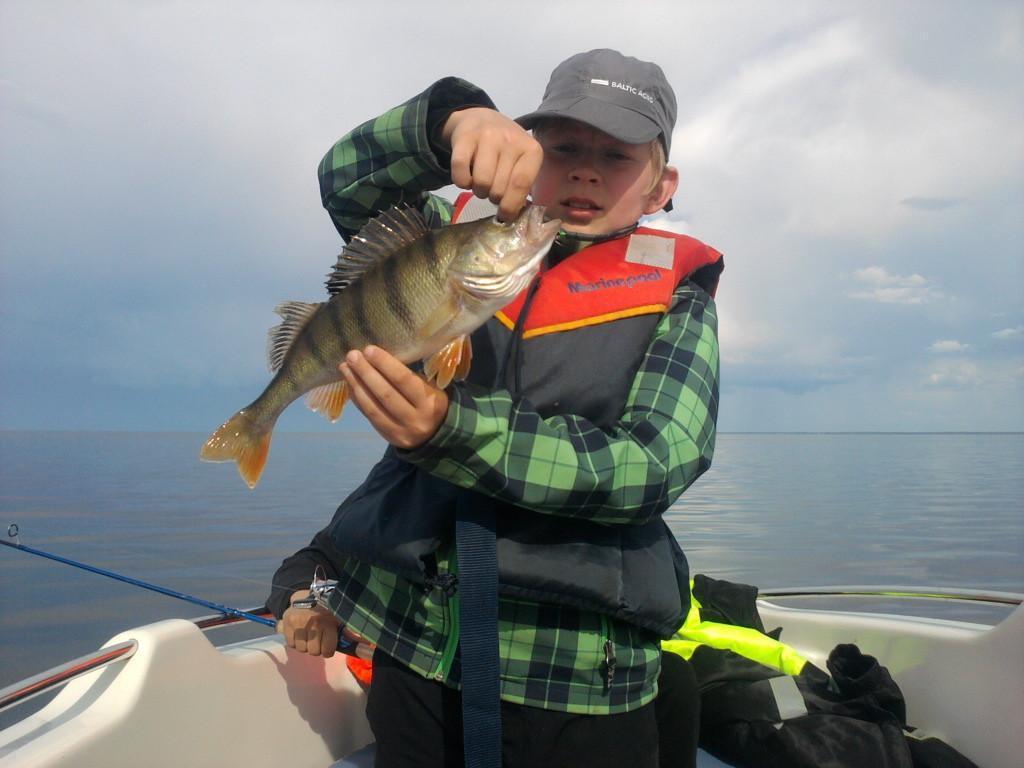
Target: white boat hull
point(181, 701)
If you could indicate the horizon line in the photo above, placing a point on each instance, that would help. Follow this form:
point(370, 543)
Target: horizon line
point(371, 432)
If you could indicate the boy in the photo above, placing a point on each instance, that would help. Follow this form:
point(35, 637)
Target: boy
point(589, 407)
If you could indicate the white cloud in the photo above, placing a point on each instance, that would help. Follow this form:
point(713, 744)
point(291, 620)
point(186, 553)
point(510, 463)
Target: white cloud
point(831, 136)
point(665, 222)
point(744, 341)
point(1009, 334)
point(954, 375)
point(948, 345)
point(885, 288)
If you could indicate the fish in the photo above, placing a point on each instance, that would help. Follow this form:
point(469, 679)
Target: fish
point(415, 292)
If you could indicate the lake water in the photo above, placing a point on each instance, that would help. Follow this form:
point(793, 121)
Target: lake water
point(775, 510)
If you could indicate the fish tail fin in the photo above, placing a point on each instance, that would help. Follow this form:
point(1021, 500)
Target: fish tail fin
point(241, 439)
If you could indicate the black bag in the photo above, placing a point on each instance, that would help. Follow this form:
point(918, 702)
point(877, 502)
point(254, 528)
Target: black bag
point(854, 716)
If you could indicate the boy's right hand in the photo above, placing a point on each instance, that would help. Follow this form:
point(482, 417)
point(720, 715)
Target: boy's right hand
point(309, 630)
point(493, 156)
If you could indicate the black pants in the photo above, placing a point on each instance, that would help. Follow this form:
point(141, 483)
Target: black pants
point(418, 722)
point(677, 710)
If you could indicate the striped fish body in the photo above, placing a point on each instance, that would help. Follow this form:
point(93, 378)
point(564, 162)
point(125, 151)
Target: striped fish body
point(408, 304)
point(414, 292)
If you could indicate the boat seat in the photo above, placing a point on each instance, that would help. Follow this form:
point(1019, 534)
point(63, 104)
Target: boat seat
point(363, 758)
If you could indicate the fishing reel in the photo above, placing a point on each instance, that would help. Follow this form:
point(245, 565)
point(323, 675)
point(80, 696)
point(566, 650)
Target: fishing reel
point(320, 590)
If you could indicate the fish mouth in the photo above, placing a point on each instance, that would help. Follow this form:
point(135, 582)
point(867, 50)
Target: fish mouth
point(540, 231)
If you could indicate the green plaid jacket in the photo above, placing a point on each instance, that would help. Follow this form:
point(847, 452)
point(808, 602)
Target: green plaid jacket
point(551, 656)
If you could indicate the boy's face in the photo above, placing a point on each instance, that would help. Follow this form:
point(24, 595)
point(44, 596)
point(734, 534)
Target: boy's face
point(593, 182)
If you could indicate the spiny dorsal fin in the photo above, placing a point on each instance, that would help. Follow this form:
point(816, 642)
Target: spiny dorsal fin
point(378, 239)
point(281, 337)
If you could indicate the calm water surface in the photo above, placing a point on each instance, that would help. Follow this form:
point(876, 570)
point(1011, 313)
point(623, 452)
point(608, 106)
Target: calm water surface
point(775, 510)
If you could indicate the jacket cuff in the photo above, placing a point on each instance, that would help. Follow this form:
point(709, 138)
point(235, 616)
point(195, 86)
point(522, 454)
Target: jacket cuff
point(450, 431)
point(447, 95)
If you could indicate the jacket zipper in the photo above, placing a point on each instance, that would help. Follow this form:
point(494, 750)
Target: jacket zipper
point(610, 661)
point(451, 642)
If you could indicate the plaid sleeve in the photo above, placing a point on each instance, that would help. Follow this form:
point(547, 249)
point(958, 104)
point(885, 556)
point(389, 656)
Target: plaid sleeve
point(565, 465)
point(392, 159)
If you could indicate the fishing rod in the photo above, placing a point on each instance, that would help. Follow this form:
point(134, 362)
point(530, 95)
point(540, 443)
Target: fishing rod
point(319, 589)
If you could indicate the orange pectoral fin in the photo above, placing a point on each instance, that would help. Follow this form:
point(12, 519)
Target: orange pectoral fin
point(328, 400)
point(465, 359)
point(450, 362)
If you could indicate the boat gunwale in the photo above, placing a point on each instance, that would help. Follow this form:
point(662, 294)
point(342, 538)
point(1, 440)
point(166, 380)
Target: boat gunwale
point(897, 592)
point(57, 676)
point(36, 685)
point(61, 674)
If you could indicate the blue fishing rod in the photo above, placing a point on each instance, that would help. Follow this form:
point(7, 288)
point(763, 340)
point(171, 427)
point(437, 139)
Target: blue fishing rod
point(319, 588)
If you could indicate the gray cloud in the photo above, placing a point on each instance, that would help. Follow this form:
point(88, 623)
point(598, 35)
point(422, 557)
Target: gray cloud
point(931, 203)
point(793, 382)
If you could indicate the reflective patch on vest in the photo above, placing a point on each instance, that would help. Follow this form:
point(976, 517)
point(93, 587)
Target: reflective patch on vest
point(651, 251)
point(788, 699)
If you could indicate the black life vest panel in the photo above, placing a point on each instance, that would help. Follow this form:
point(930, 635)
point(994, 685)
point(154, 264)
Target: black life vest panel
point(573, 346)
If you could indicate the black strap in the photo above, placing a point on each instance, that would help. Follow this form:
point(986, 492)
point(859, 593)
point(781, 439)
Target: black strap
point(478, 632)
point(477, 550)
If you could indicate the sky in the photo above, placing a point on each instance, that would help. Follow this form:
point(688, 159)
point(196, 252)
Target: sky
point(860, 164)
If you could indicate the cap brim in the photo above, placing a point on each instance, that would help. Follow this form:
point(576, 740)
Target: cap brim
point(618, 122)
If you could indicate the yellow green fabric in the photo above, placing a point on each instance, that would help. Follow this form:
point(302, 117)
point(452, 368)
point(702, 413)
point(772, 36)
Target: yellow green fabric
point(745, 641)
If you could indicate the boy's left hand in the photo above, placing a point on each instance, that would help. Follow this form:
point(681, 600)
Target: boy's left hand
point(404, 408)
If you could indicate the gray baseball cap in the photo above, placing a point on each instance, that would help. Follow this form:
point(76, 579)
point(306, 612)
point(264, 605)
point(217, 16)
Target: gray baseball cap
point(622, 96)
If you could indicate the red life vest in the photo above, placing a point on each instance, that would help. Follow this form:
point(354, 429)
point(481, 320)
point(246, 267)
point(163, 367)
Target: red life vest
point(619, 278)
